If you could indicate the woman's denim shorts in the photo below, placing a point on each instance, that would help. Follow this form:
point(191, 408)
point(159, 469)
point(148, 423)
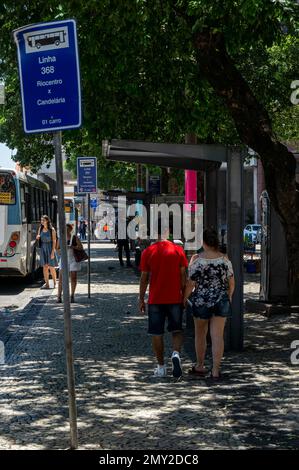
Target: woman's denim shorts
point(222, 308)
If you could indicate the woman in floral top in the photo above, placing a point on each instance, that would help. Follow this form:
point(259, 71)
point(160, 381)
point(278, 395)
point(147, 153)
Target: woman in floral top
point(211, 282)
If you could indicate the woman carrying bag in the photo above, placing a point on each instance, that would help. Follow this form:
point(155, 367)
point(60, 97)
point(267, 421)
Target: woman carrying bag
point(75, 254)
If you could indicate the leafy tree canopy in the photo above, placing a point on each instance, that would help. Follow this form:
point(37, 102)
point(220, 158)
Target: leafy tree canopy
point(140, 77)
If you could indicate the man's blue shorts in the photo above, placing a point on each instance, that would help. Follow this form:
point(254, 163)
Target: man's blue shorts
point(157, 314)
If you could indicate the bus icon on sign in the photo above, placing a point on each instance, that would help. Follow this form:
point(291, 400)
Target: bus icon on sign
point(39, 40)
point(46, 39)
point(86, 163)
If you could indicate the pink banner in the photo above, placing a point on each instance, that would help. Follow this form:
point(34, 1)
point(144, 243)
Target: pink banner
point(191, 188)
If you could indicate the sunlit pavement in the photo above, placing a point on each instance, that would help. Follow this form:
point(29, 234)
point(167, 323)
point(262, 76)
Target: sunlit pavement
point(120, 404)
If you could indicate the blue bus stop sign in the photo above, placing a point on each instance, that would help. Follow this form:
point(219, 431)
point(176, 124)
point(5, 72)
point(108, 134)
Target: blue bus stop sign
point(87, 174)
point(49, 75)
point(93, 203)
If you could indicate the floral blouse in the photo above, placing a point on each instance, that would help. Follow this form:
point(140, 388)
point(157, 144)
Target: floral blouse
point(211, 277)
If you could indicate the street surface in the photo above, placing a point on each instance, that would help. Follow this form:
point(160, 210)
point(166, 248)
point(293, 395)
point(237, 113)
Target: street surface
point(120, 405)
point(15, 293)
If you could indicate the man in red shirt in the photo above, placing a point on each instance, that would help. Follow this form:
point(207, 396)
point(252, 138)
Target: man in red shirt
point(163, 265)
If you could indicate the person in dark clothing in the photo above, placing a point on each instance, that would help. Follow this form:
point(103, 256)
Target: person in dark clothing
point(93, 227)
point(82, 230)
point(123, 244)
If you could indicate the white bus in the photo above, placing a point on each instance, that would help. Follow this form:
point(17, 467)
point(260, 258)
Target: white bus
point(23, 200)
point(70, 210)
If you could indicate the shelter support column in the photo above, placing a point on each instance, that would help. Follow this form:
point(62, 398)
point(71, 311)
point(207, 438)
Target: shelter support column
point(235, 224)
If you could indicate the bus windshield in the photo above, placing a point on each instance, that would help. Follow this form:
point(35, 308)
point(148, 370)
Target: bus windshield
point(7, 189)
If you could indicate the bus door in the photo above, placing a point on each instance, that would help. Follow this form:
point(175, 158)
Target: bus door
point(3, 226)
point(29, 226)
point(25, 236)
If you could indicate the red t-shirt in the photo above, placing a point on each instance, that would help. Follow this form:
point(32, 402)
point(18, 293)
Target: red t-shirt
point(164, 260)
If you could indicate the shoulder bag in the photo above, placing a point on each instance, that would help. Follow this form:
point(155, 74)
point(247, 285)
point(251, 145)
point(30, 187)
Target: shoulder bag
point(79, 253)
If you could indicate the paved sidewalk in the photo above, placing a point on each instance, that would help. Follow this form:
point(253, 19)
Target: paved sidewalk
point(120, 404)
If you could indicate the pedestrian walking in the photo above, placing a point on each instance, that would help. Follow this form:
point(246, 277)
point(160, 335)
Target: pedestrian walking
point(123, 245)
point(93, 228)
point(106, 229)
point(211, 283)
point(46, 237)
point(82, 230)
point(73, 242)
point(163, 266)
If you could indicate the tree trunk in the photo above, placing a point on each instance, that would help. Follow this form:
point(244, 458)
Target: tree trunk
point(255, 130)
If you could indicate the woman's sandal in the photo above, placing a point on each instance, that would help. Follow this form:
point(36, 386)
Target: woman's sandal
point(199, 373)
point(215, 379)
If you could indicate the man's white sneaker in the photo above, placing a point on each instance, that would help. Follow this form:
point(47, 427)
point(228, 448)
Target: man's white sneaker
point(160, 371)
point(176, 365)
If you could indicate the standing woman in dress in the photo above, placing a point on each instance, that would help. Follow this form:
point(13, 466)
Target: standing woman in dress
point(47, 237)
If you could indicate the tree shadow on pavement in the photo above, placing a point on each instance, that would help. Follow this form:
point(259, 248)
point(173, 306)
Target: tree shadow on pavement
point(120, 404)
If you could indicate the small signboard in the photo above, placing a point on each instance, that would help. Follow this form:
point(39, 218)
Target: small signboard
point(5, 198)
point(87, 175)
point(78, 195)
point(93, 203)
point(49, 75)
point(154, 184)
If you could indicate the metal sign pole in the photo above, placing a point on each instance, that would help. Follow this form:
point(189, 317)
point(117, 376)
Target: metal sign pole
point(87, 183)
point(57, 141)
point(88, 269)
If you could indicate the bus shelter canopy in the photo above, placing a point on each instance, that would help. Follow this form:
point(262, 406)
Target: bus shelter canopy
point(185, 156)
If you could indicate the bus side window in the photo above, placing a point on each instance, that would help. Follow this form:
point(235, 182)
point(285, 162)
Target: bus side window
point(37, 204)
point(23, 204)
point(45, 209)
point(48, 208)
point(33, 206)
point(49, 204)
point(28, 207)
point(42, 202)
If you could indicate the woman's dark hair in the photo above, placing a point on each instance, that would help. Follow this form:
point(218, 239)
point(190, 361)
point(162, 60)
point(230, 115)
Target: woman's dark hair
point(210, 238)
point(47, 218)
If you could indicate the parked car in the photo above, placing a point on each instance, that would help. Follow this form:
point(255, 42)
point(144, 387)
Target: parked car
point(252, 233)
